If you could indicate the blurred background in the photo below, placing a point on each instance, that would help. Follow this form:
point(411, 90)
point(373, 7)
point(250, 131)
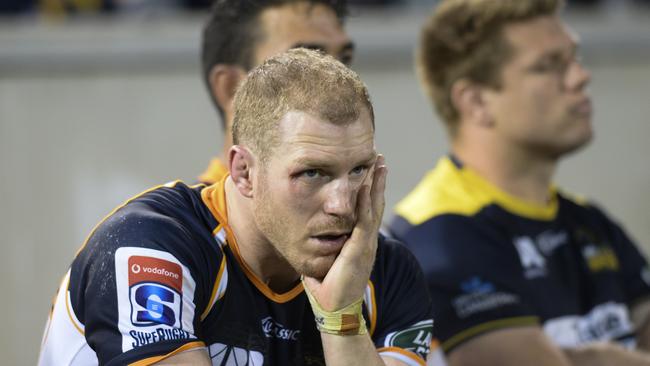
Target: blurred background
point(100, 100)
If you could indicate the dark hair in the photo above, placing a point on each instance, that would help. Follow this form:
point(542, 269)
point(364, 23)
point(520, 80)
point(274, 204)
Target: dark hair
point(232, 32)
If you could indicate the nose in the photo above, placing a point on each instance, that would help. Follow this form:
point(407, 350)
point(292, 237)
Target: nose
point(578, 77)
point(340, 199)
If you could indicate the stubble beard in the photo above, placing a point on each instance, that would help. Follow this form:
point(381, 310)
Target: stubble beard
point(278, 232)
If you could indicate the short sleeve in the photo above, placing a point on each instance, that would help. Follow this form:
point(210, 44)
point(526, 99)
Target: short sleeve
point(633, 265)
point(404, 321)
point(137, 288)
point(475, 283)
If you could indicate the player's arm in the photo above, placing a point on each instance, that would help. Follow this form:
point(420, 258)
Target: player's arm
point(606, 354)
point(530, 346)
point(346, 280)
point(641, 318)
point(633, 269)
point(195, 357)
point(141, 297)
point(526, 345)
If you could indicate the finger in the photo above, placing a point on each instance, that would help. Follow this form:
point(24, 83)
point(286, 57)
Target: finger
point(378, 188)
point(364, 207)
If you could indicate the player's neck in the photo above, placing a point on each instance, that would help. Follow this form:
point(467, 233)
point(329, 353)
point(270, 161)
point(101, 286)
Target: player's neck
point(254, 248)
point(519, 173)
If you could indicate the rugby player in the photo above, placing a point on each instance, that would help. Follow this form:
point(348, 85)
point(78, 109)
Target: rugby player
point(520, 272)
point(280, 263)
point(242, 34)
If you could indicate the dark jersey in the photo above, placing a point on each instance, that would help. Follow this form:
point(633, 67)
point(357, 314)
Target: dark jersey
point(162, 274)
point(493, 261)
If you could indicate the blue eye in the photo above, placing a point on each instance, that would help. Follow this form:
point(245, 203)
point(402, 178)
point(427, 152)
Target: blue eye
point(358, 170)
point(311, 173)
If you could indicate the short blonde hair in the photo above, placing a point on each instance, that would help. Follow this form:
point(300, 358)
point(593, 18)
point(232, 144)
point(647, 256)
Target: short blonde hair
point(463, 39)
point(297, 80)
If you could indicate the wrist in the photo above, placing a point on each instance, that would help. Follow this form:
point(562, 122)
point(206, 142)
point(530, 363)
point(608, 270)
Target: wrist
point(345, 321)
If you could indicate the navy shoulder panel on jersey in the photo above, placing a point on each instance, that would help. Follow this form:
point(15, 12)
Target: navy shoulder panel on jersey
point(143, 277)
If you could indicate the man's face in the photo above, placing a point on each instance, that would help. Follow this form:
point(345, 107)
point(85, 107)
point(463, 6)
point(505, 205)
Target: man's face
point(306, 193)
point(302, 24)
point(543, 105)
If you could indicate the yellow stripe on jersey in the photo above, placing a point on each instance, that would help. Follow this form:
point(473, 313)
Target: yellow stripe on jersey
point(183, 348)
point(371, 306)
point(214, 197)
point(448, 189)
point(73, 318)
point(411, 357)
point(488, 326)
point(216, 287)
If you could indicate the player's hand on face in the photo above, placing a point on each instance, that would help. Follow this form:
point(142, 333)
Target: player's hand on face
point(347, 278)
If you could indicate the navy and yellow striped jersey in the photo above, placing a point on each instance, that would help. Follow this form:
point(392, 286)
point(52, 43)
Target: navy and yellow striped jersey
point(493, 261)
point(162, 274)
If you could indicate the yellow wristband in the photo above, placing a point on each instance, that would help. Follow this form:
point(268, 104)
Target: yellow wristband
point(346, 321)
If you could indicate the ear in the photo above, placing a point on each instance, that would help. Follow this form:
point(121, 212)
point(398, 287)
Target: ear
point(224, 80)
point(469, 100)
point(240, 162)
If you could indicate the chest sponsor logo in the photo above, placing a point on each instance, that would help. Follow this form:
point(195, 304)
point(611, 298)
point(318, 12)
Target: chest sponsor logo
point(226, 355)
point(273, 329)
point(532, 261)
point(417, 338)
point(606, 322)
point(600, 258)
point(156, 288)
point(480, 296)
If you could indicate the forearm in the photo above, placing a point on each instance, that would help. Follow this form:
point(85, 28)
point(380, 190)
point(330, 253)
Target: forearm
point(348, 350)
point(607, 354)
point(643, 337)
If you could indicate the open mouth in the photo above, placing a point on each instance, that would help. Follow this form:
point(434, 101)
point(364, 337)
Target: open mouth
point(330, 243)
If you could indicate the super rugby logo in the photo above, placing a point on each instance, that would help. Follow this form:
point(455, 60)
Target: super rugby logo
point(155, 291)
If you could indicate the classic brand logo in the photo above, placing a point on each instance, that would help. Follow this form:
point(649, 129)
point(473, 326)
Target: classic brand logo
point(273, 329)
point(156, 288)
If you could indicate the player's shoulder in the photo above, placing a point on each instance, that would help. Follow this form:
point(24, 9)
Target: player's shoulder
point(448, 189)
point(158, 218)
point(583, 208)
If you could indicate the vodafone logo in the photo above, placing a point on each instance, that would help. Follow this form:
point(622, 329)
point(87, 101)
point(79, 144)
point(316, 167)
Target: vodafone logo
point(136, 268)
point(160, 271)
point(151, 269)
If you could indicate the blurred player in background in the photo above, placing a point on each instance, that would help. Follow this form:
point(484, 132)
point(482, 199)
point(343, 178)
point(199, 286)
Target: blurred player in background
point(242, 34)
point(520, 273)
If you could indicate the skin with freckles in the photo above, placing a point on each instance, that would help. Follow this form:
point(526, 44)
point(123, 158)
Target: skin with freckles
point(306, 202)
